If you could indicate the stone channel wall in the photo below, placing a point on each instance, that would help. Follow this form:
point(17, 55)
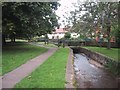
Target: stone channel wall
point(70, 77)
point(100, 58)
point(96, 56)
point(113, 65)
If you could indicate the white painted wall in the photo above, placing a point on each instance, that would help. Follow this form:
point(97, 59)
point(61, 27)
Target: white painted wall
point(74, 35)
point(61, 35)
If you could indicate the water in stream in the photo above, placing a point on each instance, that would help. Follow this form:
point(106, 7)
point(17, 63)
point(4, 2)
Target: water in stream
point(91, 76)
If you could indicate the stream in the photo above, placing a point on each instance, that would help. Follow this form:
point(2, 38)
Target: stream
point(90, 76)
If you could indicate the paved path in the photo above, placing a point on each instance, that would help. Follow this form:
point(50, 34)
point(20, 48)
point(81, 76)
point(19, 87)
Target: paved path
point(10, 79)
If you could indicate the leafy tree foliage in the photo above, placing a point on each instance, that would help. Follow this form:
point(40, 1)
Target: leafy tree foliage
point(96, 14)
point(67, 35)
point(117, 32)
point(27, 19)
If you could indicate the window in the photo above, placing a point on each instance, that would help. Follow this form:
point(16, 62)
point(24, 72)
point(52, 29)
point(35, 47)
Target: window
point(57, 37)
point(52, 37)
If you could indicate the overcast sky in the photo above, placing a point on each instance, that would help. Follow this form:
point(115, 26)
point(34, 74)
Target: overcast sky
point(66, 6)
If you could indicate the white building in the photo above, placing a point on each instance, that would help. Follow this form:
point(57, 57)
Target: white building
point(60, 33)
point(57, 34)
point(74, 35)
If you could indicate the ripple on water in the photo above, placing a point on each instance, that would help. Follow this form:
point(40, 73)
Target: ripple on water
point(90, 75)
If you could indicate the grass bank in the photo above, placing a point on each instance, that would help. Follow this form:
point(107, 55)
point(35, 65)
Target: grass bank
point(51, 74)
point(112, 53)
point(47, 45)
point(14, 55)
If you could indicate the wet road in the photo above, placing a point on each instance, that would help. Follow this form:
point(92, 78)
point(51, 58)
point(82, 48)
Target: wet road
point(90, 76)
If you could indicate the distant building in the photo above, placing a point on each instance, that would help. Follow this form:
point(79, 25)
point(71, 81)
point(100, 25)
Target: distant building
point(60, 33)
point(74, 35)
point(57, 34)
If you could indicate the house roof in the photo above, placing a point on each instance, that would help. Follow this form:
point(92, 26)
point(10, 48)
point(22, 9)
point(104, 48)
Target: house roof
point(60, 30)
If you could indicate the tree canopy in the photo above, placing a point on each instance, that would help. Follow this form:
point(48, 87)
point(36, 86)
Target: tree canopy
point(27, 19)
point(96, 14)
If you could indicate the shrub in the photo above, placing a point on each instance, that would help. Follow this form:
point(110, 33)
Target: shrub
point(67, 35)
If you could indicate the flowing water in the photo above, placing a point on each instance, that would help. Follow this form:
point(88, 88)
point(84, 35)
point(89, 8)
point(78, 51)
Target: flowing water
point(90, 76)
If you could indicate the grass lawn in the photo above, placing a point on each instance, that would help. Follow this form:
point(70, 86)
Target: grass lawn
point(112, 53)
point(17, 40)
point(47, 45)
point(14, 55)
point(51, 74)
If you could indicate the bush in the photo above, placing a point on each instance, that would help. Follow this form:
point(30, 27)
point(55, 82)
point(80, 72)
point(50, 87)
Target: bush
point(67, 35)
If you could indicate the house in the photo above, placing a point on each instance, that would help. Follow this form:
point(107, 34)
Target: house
point(60, 33)
point(57, 34)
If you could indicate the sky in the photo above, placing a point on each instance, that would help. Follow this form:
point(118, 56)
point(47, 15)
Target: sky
point(66, 6)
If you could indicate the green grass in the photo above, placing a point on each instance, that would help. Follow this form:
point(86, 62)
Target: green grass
point(51, 74)
point(112, 53)
point(17, 40)
point(14, 55)
point(47, 45)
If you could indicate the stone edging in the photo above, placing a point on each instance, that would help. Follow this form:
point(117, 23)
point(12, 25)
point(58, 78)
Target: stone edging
point(100, 58)
point(70, 71)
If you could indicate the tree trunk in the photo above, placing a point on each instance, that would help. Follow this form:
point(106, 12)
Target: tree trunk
point(12, 38)
point(3, 39)
point(46, 39)
point(108, 33)
point(109, 44)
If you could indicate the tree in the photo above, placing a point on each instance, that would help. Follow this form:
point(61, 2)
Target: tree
point(85, 23)
point(117, 34)
point(27, 19)
point(67, 35)
point(109, 9)
point(100, 14)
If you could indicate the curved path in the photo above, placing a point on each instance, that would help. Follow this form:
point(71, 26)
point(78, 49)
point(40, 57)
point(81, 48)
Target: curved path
point(10, 79)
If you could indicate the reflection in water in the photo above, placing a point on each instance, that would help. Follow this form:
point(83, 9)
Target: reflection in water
point(90, 76)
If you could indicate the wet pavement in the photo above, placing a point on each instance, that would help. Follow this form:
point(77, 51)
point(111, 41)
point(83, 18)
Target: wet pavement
point(90, 76)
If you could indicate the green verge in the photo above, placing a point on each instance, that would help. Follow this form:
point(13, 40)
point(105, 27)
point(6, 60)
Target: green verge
point(51, 74)
point(112, 53)
point(16, 54)
point(47, 45)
